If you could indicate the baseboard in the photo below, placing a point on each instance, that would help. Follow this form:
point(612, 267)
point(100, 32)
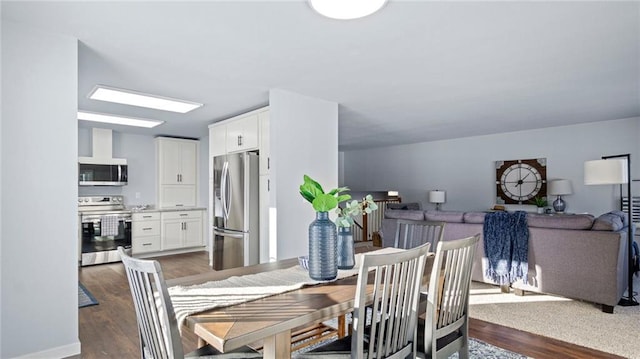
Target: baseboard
point(170, 252)
point(64, 351)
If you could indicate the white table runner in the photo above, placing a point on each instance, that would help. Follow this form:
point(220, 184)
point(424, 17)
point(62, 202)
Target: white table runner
point(197, 298)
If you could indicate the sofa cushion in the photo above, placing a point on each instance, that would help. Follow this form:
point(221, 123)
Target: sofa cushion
point(565, 221)
point(611, 221)
point(444, 216)
point(404, 214)
point(474, 217)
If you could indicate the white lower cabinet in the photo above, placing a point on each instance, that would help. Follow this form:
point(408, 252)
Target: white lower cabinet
point(145, 232)
point(181, 229)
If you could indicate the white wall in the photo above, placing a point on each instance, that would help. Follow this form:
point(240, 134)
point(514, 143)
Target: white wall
point(39, 187)
point(304, 140)
point(465, 167)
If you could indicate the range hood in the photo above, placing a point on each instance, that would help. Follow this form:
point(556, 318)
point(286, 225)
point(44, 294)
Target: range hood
point(102, 169)
point(102, 143)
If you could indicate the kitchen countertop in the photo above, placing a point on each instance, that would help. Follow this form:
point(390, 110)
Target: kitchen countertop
point(137, 209)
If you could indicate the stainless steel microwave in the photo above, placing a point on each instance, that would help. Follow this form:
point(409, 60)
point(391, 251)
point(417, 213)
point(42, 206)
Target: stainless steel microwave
point(102, 173)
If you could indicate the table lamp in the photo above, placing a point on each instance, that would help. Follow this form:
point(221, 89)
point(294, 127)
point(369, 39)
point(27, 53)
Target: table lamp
point(559, 187)
point(437, 197)
point(618, 171)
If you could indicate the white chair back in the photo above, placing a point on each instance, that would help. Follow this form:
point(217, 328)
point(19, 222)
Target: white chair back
point(411, 233)
point(448, 298)
point(396, 279)
point(157, 325)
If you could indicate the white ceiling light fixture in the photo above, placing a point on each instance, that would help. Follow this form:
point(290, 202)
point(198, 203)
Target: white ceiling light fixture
point(346, 9)
point(140, 99)
point(117, 120)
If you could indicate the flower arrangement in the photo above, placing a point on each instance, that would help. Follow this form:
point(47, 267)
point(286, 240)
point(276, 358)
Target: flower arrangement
point(355, 208)
point(313, 192)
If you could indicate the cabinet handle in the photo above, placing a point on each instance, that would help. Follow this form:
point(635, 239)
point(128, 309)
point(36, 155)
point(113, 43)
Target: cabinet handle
point(147, 244)
point(146, 216)
point(268, 185)
point(268, 162)
point(177, 177)
point(239, 140)
point(184, 214)
point(147, 229)
point(185, 226)
point(179, 205)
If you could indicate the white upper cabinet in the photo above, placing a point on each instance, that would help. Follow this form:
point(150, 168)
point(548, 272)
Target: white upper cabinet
point(242, 134)
point(177, 172)
point(217, 140)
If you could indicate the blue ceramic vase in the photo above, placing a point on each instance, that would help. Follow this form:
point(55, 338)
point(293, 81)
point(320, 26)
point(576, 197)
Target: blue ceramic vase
point(323, 248)
point(346, 253)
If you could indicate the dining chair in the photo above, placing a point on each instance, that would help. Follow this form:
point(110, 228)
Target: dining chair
point(412, 233)
point(157, 324)
point(395, 279)
point(445, 328)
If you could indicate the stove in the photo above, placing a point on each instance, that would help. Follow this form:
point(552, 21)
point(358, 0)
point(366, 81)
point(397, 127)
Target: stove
point(104, 225)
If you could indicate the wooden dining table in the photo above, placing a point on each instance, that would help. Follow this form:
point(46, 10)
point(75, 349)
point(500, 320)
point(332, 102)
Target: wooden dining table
point(270, 319)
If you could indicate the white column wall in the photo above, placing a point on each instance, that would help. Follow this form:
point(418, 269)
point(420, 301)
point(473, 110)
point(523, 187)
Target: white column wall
point(465, 167)
point(304, 140)
point(39, 190)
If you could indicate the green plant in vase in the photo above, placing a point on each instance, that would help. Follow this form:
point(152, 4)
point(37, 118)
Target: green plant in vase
point(346, 250)
point(540, 202)
point(323, 251)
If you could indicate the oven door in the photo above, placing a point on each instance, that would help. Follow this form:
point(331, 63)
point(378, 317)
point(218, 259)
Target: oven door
point(97, 248)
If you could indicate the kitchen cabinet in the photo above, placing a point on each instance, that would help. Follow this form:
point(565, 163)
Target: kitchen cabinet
point(242, 134)
point(181, 229)
point(145, 232)
point(177, 172)
point(217, 140)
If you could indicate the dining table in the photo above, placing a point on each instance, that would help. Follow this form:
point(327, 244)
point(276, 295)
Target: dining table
point(271, 319)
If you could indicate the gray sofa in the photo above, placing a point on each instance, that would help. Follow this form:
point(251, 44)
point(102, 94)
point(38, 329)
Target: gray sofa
point(575, 256)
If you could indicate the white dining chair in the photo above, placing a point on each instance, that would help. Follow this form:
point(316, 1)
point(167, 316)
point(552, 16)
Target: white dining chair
point(412, 233)
point(395, 279)
point(446, 328)
point(157, 325)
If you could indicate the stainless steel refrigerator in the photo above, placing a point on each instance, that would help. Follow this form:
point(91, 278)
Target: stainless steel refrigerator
point(235, 210)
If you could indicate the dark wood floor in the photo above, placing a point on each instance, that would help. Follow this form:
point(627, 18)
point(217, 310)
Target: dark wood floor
point(108, 330)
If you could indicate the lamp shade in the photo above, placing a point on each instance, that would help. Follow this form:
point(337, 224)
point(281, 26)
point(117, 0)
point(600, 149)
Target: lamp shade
point(605, 172)
point(560, 187)
point(436, 196)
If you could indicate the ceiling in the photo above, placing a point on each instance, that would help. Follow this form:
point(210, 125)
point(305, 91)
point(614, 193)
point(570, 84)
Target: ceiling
point(415, 71)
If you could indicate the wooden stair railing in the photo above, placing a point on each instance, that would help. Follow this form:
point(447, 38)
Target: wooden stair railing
point(366, 225)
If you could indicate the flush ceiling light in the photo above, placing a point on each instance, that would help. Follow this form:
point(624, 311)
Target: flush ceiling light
point(118, 120)
point(134, 98)
point(346, 9)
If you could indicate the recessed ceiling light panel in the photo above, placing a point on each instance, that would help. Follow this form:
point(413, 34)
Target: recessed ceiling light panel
point(346, 9)
point(117, 120)
point(134, 98)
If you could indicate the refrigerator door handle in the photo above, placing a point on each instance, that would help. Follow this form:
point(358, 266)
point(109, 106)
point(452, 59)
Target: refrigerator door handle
point(228, 191)
point(228, 233)
point(223, 189)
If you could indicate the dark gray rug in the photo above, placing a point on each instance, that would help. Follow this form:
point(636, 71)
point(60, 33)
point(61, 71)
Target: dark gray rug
point(85, 298)
point(479, 349)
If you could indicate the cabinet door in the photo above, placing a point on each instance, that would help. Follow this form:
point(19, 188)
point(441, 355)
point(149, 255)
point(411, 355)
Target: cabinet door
point(193, 232)
point(242, 134)
point(171, 234)
point(170, 157)
point(264, 220)
point(217, 140)
point(177, 196)
point(265, 150)
point(188, 163)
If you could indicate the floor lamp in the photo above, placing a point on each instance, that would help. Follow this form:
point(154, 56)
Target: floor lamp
point(610, 171)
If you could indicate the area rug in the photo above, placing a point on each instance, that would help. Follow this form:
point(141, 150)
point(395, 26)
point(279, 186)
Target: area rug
point(85, 298)
point(573, 321)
